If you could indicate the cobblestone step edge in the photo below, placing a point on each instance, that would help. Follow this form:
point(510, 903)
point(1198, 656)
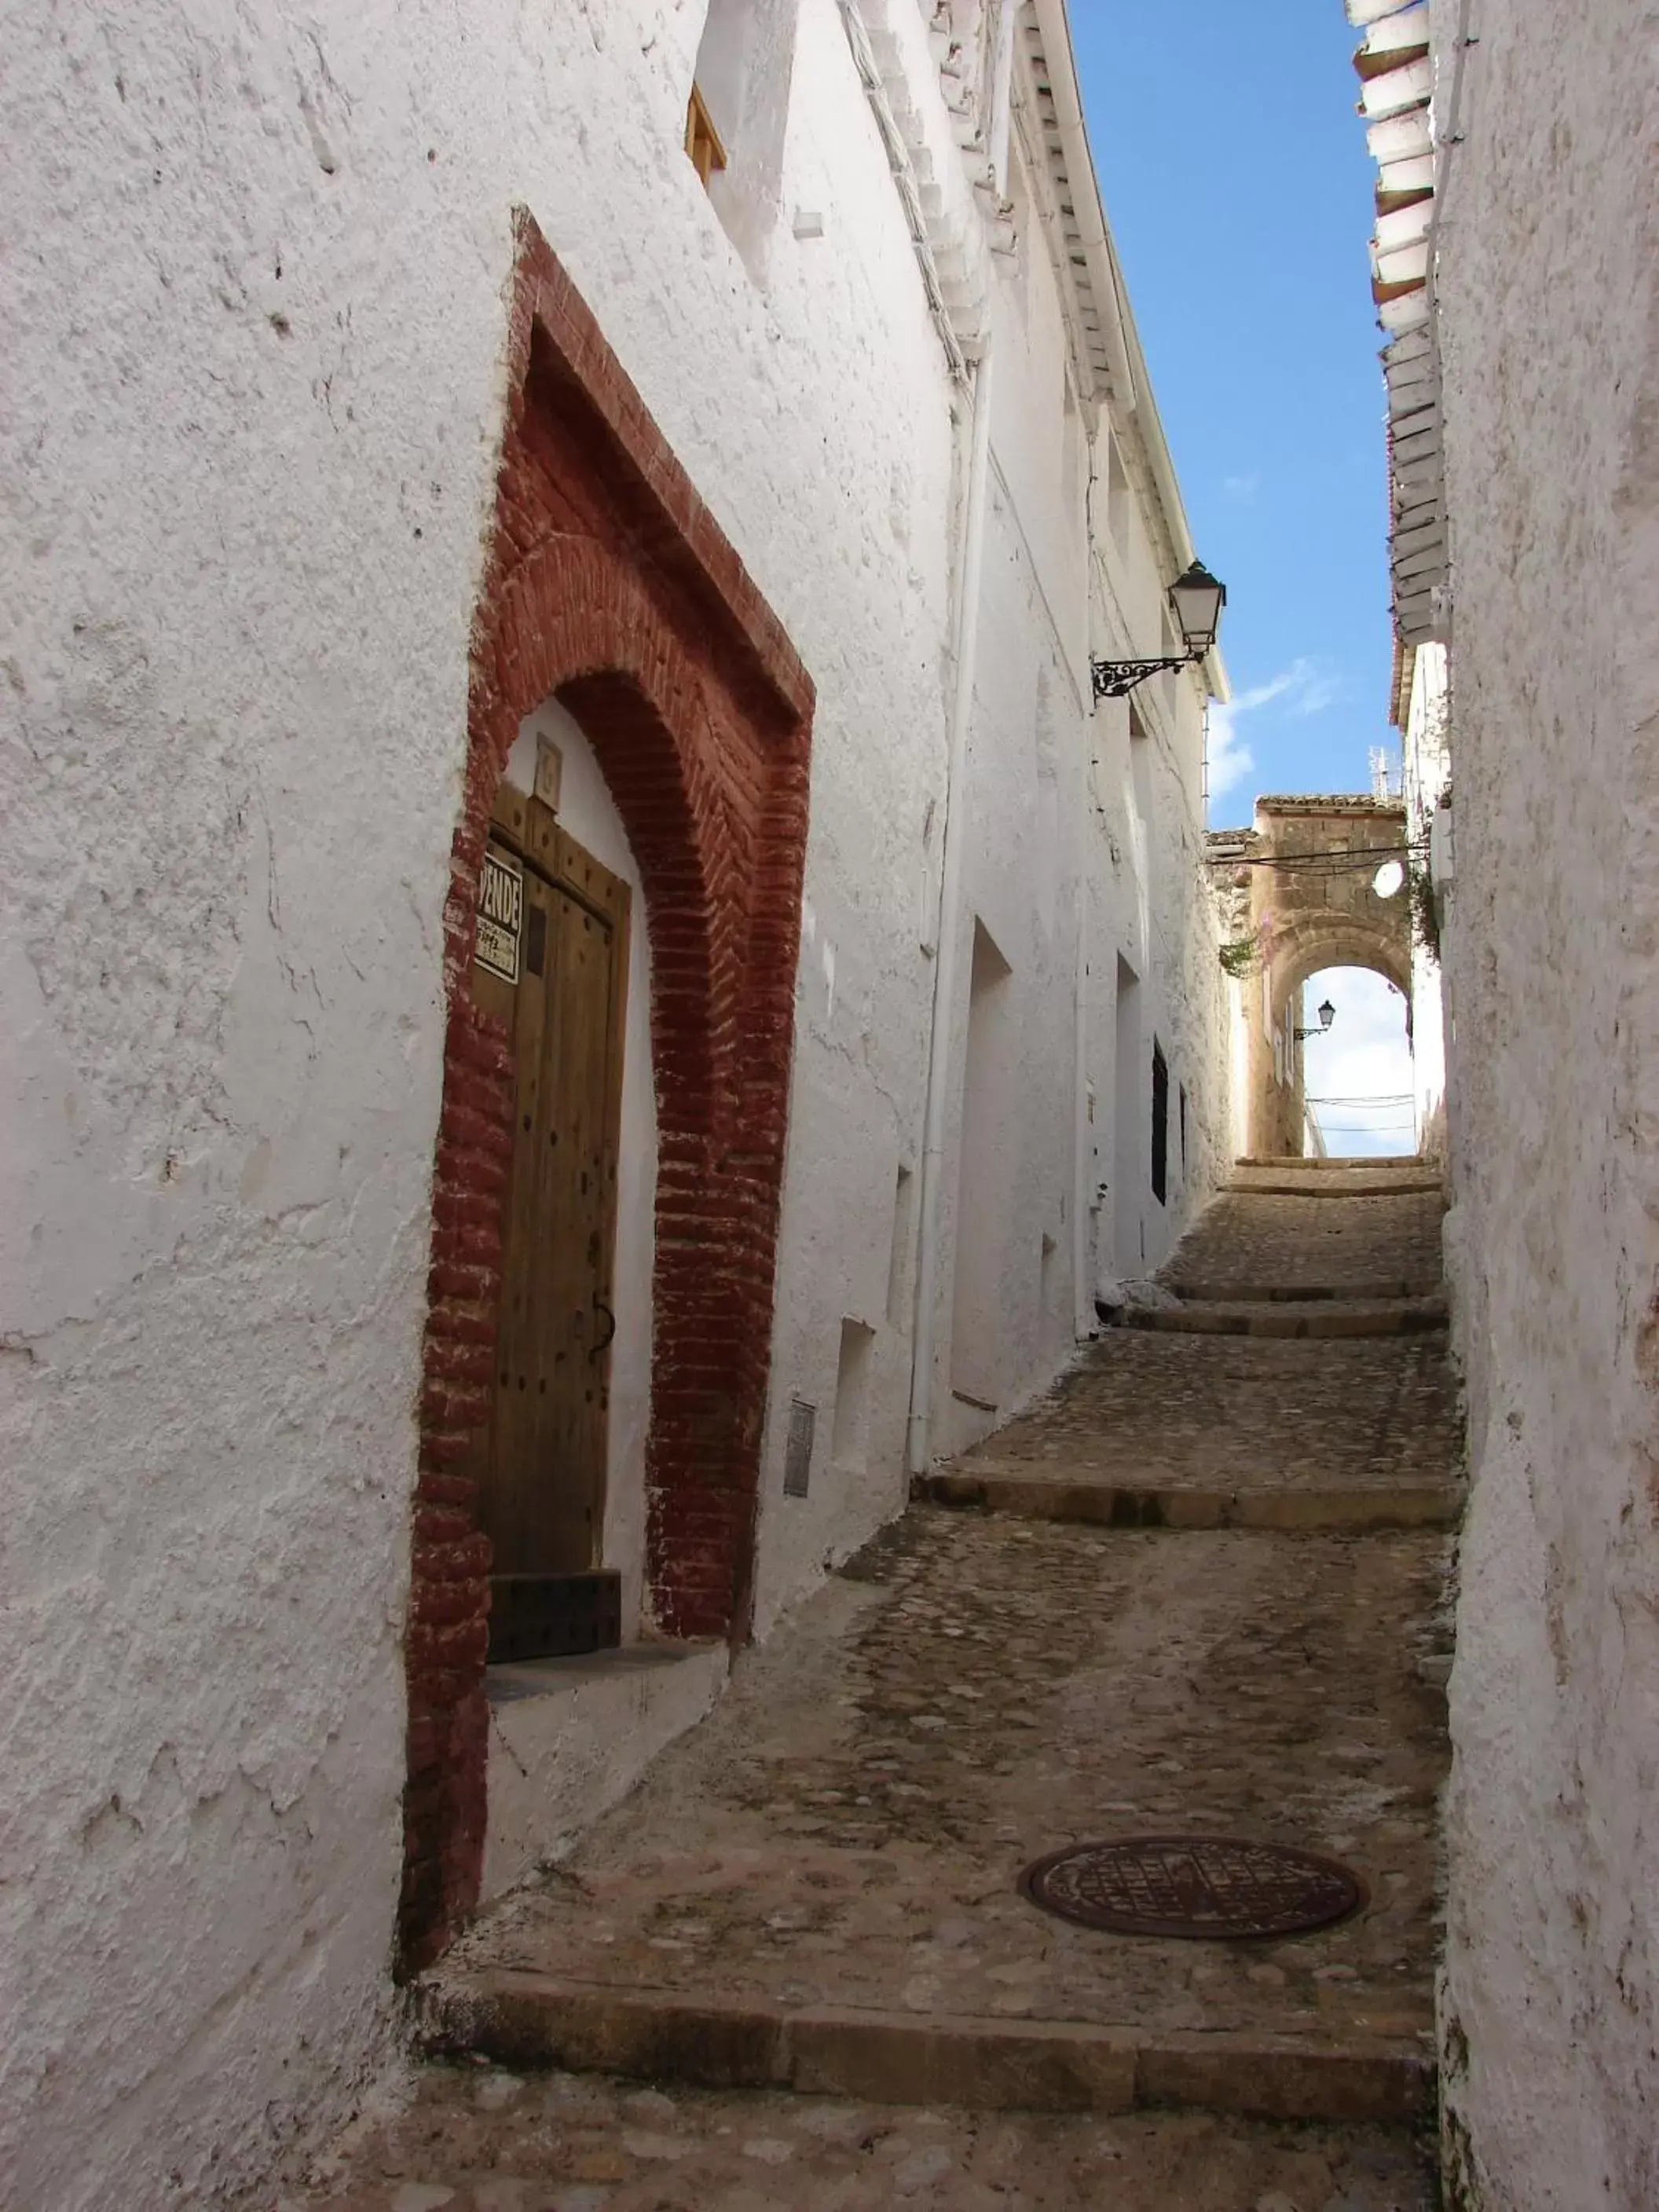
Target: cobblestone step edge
point(525, 2019)
point(1354, 1164)
point(1400, 1186)
point(1331, 1318)
point(1218, 1292)
point(1333, 1507)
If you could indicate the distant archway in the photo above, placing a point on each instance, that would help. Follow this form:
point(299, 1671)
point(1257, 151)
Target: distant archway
point(1304, 896)
point(1358, 1088)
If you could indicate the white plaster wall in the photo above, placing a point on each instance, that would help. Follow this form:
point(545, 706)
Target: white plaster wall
point(1019, 816)
point(1062, 835)
point(1427, 769)
point(588, 811)
point(1157, 911)
point(1549, 226)
point(255, 323)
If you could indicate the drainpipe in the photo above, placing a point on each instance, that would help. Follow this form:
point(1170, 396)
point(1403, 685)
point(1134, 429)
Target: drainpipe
point(1083, 1177)
point(965, 652)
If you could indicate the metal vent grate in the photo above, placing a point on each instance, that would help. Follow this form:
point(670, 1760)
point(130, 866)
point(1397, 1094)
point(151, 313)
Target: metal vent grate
point(798, 1448)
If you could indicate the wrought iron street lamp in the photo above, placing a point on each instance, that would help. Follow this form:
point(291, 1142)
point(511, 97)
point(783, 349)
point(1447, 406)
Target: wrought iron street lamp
point(1327, 1016)
point(1197, 598)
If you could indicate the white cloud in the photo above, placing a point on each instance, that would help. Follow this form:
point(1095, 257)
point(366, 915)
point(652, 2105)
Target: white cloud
point(1245, 487)
point(1315, 688)
point(1305, 688)
point(1363, 1066)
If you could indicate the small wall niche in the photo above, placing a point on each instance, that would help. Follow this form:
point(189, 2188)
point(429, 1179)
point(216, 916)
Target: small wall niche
point(798, 1448)
point(989, 1112)
point(850, 1430)
point(898, 1260)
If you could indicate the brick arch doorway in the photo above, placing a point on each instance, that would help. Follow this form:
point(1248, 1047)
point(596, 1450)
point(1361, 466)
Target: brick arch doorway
point(609, 587)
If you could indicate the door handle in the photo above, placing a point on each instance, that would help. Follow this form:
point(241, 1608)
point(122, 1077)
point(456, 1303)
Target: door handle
point(609, 1338)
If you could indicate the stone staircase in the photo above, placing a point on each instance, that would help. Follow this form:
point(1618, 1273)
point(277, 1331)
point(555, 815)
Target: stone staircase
point(1330, 1274)
point(1199, 1590)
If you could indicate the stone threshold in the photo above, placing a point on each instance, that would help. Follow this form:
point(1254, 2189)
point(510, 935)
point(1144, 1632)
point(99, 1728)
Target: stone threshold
point(1331, 1507)
point(1292, 1317)
point(525, 2019)
point(570, 1737)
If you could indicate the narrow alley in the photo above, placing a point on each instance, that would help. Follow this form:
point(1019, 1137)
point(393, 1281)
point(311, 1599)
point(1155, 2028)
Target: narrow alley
point(1196, 1591)
point(829, 1201)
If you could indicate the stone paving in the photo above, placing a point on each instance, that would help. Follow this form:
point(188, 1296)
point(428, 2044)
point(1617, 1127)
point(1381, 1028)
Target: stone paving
point(1196, 1425)
point(816, 1891)
point(478, 2140)
point(847, 1829)
point(1143, 1409)
point(1264, 1242)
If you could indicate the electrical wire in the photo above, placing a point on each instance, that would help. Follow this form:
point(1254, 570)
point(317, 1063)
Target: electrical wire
point(1362, 1128)
point(1371, 856)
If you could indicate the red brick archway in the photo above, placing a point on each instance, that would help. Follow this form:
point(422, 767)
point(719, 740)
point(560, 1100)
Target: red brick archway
point(610, 585)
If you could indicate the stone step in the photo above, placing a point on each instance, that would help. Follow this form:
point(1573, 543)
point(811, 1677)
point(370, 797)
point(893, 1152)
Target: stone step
point(1293, 1317)
point(1352, 1507)
point(473, 2134)
point(1401, 1163)
point(1220, 1291)
point(523, 2018)
point(820, 1889)
point(1267, 1184)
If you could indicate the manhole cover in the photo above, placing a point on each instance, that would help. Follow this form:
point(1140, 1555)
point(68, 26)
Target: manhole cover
point(1201, 1886)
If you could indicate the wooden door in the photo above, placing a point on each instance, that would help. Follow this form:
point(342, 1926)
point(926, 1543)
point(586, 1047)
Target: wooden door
point(552, 959)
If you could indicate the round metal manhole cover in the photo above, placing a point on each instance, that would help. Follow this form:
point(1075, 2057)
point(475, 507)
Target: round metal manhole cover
point(1196, 1885)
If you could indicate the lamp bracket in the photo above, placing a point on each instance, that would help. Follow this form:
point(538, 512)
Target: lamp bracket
point(1115, 679)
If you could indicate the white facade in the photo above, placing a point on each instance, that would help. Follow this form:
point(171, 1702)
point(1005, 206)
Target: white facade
point(1548, 244)
point(254, 410)
point(1426, 750)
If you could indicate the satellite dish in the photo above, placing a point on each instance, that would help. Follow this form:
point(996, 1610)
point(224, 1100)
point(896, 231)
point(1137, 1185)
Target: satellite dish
point(1388, 879)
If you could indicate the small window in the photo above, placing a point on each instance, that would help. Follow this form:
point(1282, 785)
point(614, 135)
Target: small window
point(1160, 1125)
point(737, 117)
point(703, 140)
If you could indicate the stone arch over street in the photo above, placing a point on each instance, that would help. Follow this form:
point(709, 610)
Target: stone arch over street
point(1297, 893)
point(610, 587)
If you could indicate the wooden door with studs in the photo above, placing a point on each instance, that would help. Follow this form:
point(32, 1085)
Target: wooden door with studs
point(551, 960)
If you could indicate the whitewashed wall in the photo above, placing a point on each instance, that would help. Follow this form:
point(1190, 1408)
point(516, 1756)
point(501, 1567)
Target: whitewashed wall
point(255, 340)
point(1550, 320)
point(1426, 755)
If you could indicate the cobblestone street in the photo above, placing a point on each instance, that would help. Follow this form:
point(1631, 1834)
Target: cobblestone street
point(478, 2140)
point(804, 1930)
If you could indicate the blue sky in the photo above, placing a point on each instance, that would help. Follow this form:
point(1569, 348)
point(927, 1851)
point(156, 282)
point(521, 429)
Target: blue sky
point(1239, 190)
